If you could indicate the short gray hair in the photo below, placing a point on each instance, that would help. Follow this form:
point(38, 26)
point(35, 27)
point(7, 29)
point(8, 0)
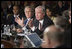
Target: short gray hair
point(42, 7)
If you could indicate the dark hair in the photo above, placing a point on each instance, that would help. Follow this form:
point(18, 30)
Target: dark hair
point(49, 8)
point(16, 6)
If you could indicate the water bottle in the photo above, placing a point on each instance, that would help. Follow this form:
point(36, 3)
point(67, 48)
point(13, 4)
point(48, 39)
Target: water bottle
point(2, 45)
point(5, 29)
point(8, 28)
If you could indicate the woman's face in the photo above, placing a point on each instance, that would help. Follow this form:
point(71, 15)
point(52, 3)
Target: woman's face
point(48, 12)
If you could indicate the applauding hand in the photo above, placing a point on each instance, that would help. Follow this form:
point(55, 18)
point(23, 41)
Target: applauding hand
point(19, 21)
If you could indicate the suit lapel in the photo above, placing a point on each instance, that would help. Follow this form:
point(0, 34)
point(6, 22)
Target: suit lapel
point(36, 23)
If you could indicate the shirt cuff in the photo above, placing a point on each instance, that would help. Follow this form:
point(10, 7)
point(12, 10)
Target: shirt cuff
point(23, 28)
point(33, 28)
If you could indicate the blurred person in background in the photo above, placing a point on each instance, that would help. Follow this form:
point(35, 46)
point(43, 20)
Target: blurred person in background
point(49, 13)
point(65, 26)
point(53, 37)
point(10, 6)
point(59, 8)
point(4, 12)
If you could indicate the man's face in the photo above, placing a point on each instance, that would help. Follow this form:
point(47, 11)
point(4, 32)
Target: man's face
point(15, 10)
point(28, 12)
point(39, 14)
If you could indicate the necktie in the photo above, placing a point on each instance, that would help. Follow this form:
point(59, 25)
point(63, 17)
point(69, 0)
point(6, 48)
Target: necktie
point(40, 26)
point(25, 22)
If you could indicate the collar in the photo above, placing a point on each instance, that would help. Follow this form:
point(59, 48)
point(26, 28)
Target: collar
point(28, 19)
point(41, 21)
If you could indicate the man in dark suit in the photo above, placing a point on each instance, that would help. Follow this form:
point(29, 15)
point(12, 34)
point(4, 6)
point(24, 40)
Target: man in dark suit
point(41, 21)
point(15, 15)
point(29, 12)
